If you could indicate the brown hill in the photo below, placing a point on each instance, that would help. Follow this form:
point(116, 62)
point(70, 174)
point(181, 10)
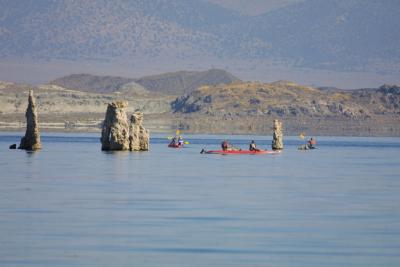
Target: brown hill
point(244, 99)
point(92, 83)
point(173, 83)
point(253, 106)
point(181, 82)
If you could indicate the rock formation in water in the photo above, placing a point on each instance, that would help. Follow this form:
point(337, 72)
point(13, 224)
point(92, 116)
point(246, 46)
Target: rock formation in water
point(115, 130)
point(31, 140)
point(138, 136)
point(277, 143)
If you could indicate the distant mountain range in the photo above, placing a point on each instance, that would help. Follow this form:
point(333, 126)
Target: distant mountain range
point(351, 35)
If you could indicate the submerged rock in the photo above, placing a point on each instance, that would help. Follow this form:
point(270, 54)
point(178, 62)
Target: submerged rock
point(138, 136)
point(277, 143)
point(31, 140)
point(13, 146)
point(115, 130)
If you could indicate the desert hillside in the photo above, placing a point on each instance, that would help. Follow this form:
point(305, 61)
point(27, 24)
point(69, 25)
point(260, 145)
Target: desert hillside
point(253, 106)
point(236, 107)
point(177, 83)
point(92, 83)
point(286, 99)
point(61, 108)
point(172, 83)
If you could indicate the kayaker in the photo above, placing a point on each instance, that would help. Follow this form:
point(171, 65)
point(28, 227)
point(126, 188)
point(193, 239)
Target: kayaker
point(225, 145)
point(311, 143)
point(253, 146)
point(180, 141)
point(173, 142)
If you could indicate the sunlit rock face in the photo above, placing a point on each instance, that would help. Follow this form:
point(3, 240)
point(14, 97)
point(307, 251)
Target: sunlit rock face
point(277, 143)
point(138, 136)
point(115, 130)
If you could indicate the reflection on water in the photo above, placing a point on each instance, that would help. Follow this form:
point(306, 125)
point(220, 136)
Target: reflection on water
point(71, 204)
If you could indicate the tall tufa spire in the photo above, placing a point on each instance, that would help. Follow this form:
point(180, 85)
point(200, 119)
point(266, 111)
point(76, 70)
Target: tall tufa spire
point(31, 140)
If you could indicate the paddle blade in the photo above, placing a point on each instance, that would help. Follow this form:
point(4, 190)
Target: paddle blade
point(177, 132)
point(169, 137)
point(186, 143)
point(302, 135)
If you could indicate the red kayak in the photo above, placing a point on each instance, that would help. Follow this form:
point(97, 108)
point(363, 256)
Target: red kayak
point(241, 152)
point(175, 145)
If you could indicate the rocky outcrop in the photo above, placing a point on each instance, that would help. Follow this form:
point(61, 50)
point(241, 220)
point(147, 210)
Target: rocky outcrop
point(31, 140)
point(277, 143)
point(138, 136)
point(118, 134)
point(115, 129)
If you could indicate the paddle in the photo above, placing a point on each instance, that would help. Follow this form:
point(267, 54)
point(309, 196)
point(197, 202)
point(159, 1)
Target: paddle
point(176, 134)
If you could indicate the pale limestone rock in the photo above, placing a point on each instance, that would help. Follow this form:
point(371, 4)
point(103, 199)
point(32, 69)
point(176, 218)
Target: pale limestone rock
point(31, 140)
point(115, 130)
point(277, 143)
point(138, 136)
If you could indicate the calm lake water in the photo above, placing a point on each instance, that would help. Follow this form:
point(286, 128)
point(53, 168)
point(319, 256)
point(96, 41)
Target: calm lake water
point(71, 204)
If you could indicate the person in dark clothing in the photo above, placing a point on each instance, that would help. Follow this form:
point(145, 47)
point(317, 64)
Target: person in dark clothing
point(173, 142)
point(312, 143)
point(253, 146)
point(225, 145)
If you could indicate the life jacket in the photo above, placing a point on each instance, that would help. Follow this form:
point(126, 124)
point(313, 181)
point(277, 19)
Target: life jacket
point(252, 146)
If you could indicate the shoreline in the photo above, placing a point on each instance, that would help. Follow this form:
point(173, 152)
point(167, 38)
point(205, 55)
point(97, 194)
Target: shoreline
point(184, 132)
